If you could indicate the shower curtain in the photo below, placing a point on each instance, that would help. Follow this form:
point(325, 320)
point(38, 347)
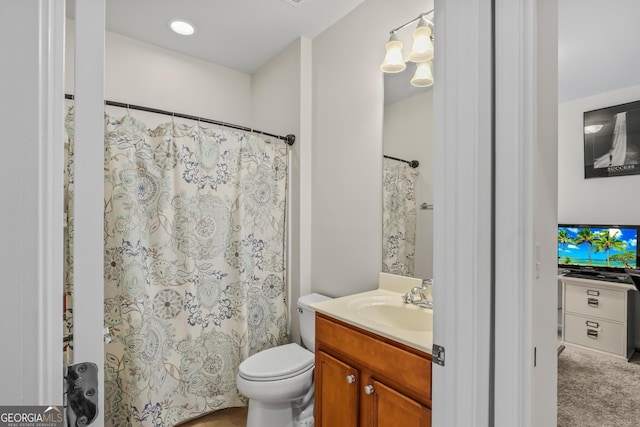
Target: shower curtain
point(194, 228)
point(398, 217)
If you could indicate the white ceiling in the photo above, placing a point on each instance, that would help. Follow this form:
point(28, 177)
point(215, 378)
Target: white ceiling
point(238, 34)
point(598, 47)
point(597, 41)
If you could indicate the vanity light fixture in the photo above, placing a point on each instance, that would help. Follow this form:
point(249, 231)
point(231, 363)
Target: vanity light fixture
point(182, 27)
point(421, 51)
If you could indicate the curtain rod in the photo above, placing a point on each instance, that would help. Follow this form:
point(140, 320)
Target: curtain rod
point(290, 139)
point(413, 163)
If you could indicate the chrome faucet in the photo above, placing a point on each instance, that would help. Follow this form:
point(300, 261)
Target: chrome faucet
point(423, 299)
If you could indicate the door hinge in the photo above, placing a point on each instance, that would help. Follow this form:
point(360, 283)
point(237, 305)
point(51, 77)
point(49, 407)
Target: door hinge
point(437, 354)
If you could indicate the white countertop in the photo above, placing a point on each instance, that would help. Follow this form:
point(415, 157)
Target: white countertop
point(339, 308)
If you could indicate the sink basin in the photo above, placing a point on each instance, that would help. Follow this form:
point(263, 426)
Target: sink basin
point(391, 311)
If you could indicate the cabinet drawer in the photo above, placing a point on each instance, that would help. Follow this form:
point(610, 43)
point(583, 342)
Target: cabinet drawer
point(398, 367)
point(595, 302)
point(595, 333)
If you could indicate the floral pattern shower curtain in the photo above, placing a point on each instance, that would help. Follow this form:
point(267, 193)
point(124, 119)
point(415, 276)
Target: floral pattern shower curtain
point(398, 217)
point(194, 266)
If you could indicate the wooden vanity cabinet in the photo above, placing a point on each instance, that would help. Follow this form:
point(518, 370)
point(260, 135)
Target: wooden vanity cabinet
point(365, 380)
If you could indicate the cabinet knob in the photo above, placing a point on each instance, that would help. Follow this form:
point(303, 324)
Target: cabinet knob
point(351, 379)
point(368, 389)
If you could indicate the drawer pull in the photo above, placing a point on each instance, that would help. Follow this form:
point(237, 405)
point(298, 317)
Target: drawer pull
point(591, 324)
point(592, 333)
point(592, 302)
point(368, 389)
point(592, 293)
point(351, 379)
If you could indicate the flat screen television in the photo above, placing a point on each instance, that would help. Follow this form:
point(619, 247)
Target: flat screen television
point(585, 248)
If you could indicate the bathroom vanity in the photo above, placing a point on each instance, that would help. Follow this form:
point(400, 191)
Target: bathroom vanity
point(373, 361)
point(363, 379)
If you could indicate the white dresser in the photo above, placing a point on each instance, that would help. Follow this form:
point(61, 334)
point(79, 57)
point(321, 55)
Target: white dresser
point(598, 315)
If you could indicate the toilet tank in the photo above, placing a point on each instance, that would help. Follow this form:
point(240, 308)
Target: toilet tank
point(307, 319)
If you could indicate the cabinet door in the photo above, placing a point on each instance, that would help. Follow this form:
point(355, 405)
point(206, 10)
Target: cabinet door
point(392, 409)
point(336, 389)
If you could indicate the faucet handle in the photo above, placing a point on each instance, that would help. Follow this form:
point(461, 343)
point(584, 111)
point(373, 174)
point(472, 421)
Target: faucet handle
point(408, 298)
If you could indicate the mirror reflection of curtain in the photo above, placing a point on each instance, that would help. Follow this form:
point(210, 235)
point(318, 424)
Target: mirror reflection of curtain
point(68, 239)
point(194, 228)
point(398, 217)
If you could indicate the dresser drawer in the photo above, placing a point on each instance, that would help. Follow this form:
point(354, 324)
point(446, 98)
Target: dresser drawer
point(595, 302)
point(595, 333)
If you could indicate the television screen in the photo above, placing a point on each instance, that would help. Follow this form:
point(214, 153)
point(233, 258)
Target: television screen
point(600, 247)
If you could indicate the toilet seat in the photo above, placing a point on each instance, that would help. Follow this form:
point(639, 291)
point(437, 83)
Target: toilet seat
point(277, 363)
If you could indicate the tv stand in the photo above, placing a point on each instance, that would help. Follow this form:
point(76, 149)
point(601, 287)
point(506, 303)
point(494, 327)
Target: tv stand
point(605, 276)
point(597, 315)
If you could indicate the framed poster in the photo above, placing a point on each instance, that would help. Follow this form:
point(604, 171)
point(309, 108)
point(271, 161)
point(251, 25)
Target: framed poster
point(612, 141)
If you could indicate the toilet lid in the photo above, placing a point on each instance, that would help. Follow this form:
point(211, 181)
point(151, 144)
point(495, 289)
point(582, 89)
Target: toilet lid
point(277, 363)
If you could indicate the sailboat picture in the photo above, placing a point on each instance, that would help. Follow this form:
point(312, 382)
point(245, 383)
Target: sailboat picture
point(612, 141)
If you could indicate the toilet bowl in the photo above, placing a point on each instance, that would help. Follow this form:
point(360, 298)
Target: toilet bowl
point(279, 381)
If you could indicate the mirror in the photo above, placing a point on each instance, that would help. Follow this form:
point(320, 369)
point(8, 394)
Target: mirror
point(407, 192)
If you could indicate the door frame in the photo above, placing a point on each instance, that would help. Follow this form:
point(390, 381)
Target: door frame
point(526, 106)
point(463, 212)
point(463, 192)
point(88, 257)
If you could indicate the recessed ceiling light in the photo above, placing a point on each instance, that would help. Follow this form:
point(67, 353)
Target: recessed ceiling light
point(182, 27)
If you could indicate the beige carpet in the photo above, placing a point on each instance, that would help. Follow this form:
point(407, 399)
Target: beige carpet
point(596, 390)
point(232, 417)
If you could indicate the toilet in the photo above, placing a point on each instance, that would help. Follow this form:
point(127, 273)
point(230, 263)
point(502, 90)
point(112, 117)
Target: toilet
point(279, 381)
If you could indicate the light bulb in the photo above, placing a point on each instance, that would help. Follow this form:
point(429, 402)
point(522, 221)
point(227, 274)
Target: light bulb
point(393, 61)
point(422, 49)
point(423, 76)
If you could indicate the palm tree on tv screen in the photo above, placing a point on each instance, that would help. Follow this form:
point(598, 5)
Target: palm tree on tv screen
point(564, 239)
point(586, 236)
point(625, 258)
point(606, 240)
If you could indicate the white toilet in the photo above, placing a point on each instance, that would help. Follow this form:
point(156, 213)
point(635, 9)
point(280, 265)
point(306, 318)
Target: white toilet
point(279, 381)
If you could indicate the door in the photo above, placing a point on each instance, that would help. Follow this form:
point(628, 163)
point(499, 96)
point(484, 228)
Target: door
point(336, 393)
point(31, 185)
point(393, 409)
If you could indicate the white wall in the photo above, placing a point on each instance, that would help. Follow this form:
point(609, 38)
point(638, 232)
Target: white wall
point(346, 231)
point(142, 74)
point(276, 107)
point(610, 200)
point(408, 134)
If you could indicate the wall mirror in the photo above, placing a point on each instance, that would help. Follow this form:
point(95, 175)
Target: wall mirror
point(407, 192)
